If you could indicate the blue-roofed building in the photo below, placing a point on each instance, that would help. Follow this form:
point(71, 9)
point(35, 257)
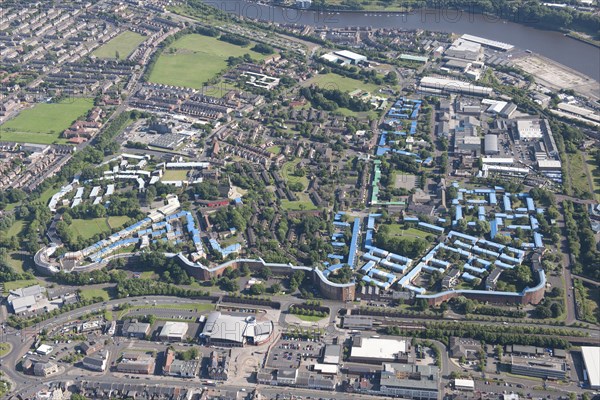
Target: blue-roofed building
point(537, 240)
point(431, 228)
point(468, 277)
point(530, 204)
point(474, 269)
point(507, 203)
point(341, 224)
point(481, 213)
point(493, 199)
point(369, 238)
point(503, 265)
point(367, 267)
point(371, 257)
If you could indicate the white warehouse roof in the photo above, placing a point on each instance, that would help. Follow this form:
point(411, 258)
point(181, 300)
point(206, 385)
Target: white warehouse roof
point(453, 85)
point(591, 359)
point(173, 329)
point(375, 348)
point(351, 55)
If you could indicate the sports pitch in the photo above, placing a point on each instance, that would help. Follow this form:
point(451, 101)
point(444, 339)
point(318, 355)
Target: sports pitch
point(44, 122)
point(194, 59)
point(123, 44)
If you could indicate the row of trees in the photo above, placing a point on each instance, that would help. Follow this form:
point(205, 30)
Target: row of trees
point(582, 243)
point(299, 310)
point(530, 335)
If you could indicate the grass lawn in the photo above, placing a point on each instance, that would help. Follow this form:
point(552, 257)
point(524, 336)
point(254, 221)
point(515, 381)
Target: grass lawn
point(199, 308)
point(399, 230)
point(123, 44)
point(588, 302)
point(287, 173)
point(87, 228)
point(363, 114)
point(579, 179)
point(335, 81)
point(303, 203)
point(88, 294)
point(20, 284)
point(16, 228)
point(18, 261)
point(309, 318)
point(175, 175)
point(595, 171)
point(47, 194)
point(298, 205)
point(274, 149)
point(5, 349)
point(148, 275)
point(116, 222)
point(194, 59)
point(45, 121)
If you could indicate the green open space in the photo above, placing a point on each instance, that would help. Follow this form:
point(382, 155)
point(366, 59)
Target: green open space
point(577, 171)
point(87, 228)
point(595, 172)
point(199, 308)
point(148, 275)
point(47, 194)
point(274, 149)
point(5, 349)
point(194, 59)
point(309, 318)
point(44, 122)
point(18, 262)
point(346, 112)
point(20, 284)
point(120, 47)
point(335, 81)
point(175, 175)
point(287, 172)
point(303, 203)
point(400, 230)
point(89, 294)
point(16, 228)
point(587, 299)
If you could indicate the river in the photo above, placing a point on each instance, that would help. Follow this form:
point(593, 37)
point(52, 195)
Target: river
point(577, 55)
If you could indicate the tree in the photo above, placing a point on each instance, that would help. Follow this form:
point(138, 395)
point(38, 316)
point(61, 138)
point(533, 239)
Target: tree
point(266, 273)
point(421, 304)
point(557, 309)
point(257, 289)
point(275, 288)
point(543, 311)
point(245, 271)
point(499, 351)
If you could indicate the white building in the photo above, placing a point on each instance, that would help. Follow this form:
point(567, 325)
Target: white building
point(377, 350)
point(173, 331)
point(591, 360)
point(465, 50)
point(97, 362)
point(528, 129)
point(464, 384)
point(344, 57)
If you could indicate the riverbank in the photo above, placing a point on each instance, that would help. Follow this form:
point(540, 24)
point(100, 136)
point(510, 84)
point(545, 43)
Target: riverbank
point(580, 37)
